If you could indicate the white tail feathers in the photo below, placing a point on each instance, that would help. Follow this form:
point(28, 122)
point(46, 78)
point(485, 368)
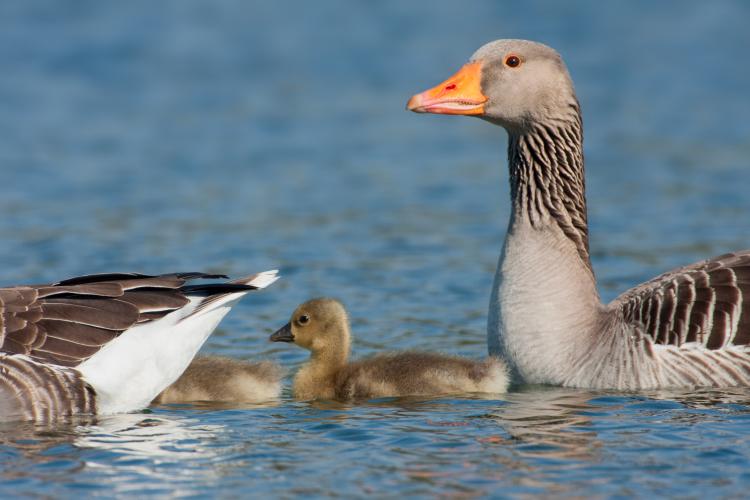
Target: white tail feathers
point(132, 369)
point(260, 280)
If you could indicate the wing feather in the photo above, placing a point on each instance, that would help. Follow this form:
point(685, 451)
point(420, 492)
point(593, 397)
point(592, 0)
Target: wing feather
point(707, 303)
point(67, 322)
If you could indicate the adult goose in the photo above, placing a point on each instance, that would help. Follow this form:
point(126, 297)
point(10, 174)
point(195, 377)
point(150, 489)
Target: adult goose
point(687, 327)
point(105, 343)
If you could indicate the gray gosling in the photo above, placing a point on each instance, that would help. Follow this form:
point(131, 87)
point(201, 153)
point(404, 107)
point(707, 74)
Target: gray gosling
point(322, 327)
point(220, 379)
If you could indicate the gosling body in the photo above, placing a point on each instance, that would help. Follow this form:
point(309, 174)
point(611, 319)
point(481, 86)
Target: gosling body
point(322, 326)
point(418, 374)
point(221, 379)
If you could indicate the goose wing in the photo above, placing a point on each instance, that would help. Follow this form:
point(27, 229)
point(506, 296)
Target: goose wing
point(705, 304)
point(67, 322)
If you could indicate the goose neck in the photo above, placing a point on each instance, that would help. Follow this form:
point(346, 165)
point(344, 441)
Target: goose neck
point(547, 180)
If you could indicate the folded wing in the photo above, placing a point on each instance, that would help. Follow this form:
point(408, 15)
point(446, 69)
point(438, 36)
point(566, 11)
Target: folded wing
point(66, 323)
point(706, 304)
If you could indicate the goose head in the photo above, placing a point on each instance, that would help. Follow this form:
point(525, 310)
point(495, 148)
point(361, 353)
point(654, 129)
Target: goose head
point(512, 83)
point(317, 325)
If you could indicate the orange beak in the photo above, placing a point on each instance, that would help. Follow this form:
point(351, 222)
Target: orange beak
point(460, 94)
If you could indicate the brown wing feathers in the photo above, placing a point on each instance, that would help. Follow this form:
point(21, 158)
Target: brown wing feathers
point(42, 392)
point(67, 322)
point(707, 303)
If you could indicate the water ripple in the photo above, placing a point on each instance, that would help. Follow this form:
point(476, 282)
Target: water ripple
point(235, 136)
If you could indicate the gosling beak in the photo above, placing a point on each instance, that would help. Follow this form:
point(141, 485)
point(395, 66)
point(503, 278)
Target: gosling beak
point(460, 94)
point(283, 334)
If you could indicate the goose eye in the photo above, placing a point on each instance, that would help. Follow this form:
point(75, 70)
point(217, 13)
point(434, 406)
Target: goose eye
point(512, 61)
point(304, 319)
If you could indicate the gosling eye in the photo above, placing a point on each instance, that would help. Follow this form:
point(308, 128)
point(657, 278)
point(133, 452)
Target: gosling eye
point(304, 319)
point(512, 61)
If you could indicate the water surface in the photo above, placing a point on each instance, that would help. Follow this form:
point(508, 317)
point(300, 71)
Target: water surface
point(238, 136)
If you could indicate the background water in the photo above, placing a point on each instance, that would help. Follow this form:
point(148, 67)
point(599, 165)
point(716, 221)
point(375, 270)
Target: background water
point(237, 136)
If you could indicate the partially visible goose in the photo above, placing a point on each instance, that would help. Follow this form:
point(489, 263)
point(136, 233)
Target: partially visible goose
point(688, 327)
point(322, 326)
point(216, 378)
point(105, 343)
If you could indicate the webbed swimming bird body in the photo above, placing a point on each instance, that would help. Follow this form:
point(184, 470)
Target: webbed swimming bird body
point(322, 326)
point(105, 343)
point(227, 380)
point(688, 327)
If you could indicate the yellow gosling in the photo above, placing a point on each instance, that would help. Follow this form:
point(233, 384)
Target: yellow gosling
point(215, 378)
point(322, 327)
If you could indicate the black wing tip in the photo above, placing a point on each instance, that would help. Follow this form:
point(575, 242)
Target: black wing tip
point(215, 289)
point(104, 277)
point(95, 278)
point(204, 276)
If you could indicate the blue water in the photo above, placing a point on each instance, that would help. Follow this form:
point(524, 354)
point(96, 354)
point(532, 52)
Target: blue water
point(237, 136)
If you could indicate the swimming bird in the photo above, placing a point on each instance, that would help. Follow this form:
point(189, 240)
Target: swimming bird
point(105, 343)
point(687, 327)
point(322, 326)
point(217, 378)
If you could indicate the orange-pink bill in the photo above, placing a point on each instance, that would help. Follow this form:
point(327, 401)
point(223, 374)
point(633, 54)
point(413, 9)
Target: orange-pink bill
point(460, 94)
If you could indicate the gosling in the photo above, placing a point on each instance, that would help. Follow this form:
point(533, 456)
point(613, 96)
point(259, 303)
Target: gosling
point(220, 379)
point(322, 326)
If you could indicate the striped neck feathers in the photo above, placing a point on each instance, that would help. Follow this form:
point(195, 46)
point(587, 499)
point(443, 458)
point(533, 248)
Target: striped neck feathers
point(547, 178)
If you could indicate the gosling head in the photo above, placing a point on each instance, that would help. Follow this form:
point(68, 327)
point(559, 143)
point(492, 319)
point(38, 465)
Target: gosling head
point(513, 83)
point(316, 325)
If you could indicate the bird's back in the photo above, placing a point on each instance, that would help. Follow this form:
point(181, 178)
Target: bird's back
point(419, 373)
point(214, 378)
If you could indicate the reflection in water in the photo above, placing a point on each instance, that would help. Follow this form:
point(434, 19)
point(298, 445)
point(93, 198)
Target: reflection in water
point(559, 423)
point(233, 135)
point(126, 449)
point(154, 437)
point(704, 398)
point(550, 422)
point(136, 434)
point(117, 447)
point(554, 440)
point(26, 445)
point(536, 435)
point(539, 441)
point(458, 446)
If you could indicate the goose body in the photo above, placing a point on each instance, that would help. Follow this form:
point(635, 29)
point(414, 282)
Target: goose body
point(688, 327)
point(322, 326)
point(105, 343)
point(216, 378)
